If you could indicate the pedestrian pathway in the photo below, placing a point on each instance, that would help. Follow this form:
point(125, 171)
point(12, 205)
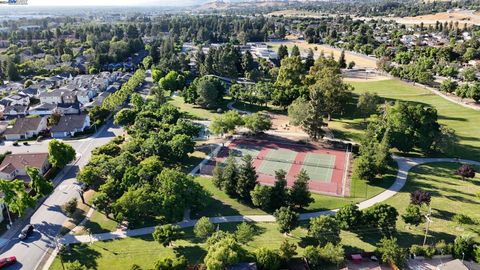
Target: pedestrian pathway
point(405, 164)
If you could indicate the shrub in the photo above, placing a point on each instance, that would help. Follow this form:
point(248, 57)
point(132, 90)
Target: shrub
point(70, 207)
point(267, 259)
point(443, 248)
point(15, 143)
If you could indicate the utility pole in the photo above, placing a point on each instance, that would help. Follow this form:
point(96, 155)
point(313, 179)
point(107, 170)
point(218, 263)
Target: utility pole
point(427, 216)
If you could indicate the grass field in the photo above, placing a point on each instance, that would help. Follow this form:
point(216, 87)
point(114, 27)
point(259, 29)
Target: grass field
point(450, 195)
point(144, 251)
point(463, 120)
point(360, 60)
point(196, 111)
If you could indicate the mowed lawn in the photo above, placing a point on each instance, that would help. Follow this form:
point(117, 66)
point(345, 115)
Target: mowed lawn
point(450, 196)
point(144, 251)
point(463, 120)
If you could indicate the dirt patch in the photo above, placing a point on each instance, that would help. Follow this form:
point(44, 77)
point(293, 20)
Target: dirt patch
point(363, 76)
point(461, 16)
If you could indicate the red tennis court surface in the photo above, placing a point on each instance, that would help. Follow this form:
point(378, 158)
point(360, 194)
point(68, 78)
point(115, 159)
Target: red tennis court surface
point(328, 168)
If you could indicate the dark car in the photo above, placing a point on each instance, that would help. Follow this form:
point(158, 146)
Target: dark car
point(26, 232)
point(7, 261)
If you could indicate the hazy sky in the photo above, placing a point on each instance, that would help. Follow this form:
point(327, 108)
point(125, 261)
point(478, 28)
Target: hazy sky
point(109, 2)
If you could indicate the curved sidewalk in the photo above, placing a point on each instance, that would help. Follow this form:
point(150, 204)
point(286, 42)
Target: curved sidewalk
point(405, 164)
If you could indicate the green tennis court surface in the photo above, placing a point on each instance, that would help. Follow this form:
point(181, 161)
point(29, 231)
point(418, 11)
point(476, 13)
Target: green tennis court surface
point(242, 150)
point(277, 159)
point(319, 166)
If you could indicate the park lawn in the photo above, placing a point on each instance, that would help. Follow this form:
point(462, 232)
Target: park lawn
point(196, 111)
point(144, 251)
point(450, 196)
point(99, 223)
point(463, 120)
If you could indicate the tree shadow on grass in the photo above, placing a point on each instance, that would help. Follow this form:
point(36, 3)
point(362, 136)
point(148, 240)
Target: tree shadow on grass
point(194, 254)
point(83, 253)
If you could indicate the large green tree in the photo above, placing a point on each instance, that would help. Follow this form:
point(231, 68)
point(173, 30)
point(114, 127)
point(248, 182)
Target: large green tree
point(38, 183)
point(247, 178)
point(60, 153)
point(324, 229)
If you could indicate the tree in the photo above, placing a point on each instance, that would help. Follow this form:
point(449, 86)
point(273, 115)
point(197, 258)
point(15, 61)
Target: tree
point(412, 215)
point(287, 250)
point(226, 123)
point(295, 51)
point(217, 175)
point(203, 228)
point(60, 154)
point(166, 234)
point(230, 175)
point(173, 81)
point(330, 254)
point(300, 196)
point(279, 195)
point(419, 197)
point(125, 117)
point(258, 122)
point(38, 183)
point(267, 259)
point(262, 197)
point(474, 92)
point(349, 217)
point(391, 252)
point(76, 265)
point(244, 232)
point(224, 252)
point(70, 207)
point(448, 86)
point(168, 263)
point(342, 63)
point(465, 171)
point(297, 112)
point(12, 70)
point(137, 101)
point(208, 94)
point(181, 145)
point(324, 229)
point(287, 219)
point(382, 216)
point(367, 103)
point(282, 52)
point(15, 196)
point(247, 178)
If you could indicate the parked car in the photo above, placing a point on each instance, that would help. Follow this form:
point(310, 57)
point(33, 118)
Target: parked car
point(7, 261)
point(27, 230)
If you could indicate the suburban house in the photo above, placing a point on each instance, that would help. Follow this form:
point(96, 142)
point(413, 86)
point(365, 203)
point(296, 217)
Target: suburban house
point(15, 111)
point(68, 108)
point(43, 109)
point(68, 125)
point(3, 126)
point(458, 265)
point(19, 99)
point(51, 97)
point(25, 128)
point(13, 166)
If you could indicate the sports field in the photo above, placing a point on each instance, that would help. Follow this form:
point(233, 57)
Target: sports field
point(327, 168)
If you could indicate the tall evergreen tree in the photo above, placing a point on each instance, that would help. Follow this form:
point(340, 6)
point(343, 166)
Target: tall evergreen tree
point(342, 63)
point(247, 178)
point(300, 195)
point(282, 52)
point(230, 174)
point(279, 196)
point(217, 176)
point(295, 51)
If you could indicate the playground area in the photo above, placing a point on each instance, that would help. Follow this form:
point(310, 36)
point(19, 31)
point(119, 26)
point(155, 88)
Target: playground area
point(327, 168)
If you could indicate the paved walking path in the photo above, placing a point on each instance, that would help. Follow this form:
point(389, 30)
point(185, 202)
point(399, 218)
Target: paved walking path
point(405, 164)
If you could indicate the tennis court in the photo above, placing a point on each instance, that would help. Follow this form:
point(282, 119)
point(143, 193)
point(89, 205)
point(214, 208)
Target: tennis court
point(327, 168)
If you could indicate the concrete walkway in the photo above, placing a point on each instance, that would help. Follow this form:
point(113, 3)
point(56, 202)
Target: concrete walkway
point(405, 164)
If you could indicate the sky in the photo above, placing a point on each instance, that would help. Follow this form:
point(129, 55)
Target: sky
point(110, 2)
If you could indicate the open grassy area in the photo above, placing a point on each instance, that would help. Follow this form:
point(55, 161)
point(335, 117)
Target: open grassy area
point(450, 196)
point(144, 251)
point(196, 111)
point(463, 120)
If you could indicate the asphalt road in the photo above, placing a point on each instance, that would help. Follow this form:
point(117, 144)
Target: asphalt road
point(48, 218)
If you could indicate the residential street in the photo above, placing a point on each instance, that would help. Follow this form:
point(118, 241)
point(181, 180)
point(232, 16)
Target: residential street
point(48, 218)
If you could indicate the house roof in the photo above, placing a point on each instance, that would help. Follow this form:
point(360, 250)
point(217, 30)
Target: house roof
point(69, 123)
point(242, 266)
point(44, 107)
point(16, 108)
point(22, 125)
point(19, 161)
point(458, 265)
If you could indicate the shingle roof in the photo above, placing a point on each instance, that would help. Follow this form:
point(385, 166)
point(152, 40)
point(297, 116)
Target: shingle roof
point(68, 123)
point(22, 125)
point(19, 161)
